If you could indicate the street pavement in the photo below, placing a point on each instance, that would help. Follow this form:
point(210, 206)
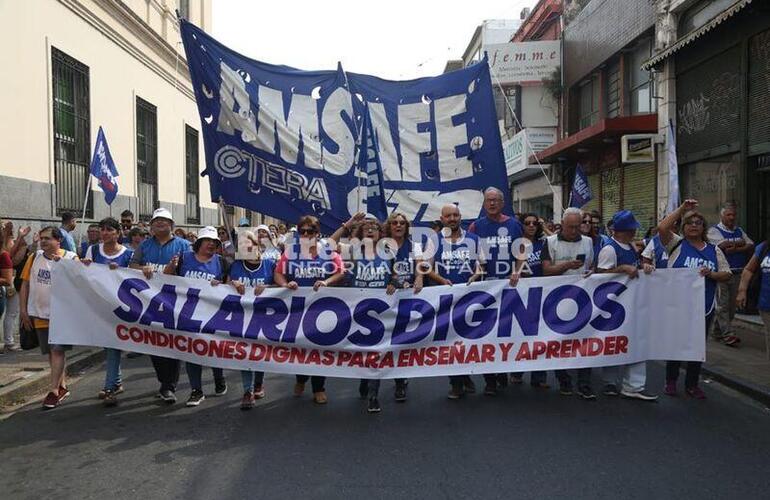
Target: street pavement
point(521, 444)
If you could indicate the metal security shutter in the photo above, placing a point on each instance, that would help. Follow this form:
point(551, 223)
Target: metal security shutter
point(639, 193)
point(611, 180)
point(709, 105)
point(593, 182)
point(759, 93)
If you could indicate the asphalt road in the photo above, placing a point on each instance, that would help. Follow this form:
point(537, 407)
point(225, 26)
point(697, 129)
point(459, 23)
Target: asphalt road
point(522, 444)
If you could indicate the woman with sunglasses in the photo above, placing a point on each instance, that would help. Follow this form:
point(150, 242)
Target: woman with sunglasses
point(590, 226)
point(692, 251)
point(533, 231)
point(308, 261)
point(205, 263)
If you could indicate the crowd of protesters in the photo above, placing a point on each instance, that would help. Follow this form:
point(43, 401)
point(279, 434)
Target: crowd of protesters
point(388, 255)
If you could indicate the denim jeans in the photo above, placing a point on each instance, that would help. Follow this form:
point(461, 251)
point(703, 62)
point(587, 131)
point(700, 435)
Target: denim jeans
point(195, 375)
point(251, 379)
point(113, 376)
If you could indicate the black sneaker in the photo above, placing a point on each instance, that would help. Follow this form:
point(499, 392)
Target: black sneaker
point(565, 389)
point(363, 389)
point(641, 395)
point(611, 390)
point(220, 388)
point(374, 406)
point(456, 392)
point(586, 393)
point(196, 397)
point(401, 394)
point(167, 396)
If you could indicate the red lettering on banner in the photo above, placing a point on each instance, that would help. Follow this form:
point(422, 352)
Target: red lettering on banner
point(240, 351)
point(473, 355)
point(280, 354)
point(403, 358)
point(552, 351)
point(298, 355)
point(505, 350)
point(595, 346)
point(609, 345)
point(487, 353)
point(538, 348)
point(357, 359)
point(344, 357)
point(372, 360)
point(431, 356)
point(566, 350)
point(180, 343)
point(524, 352)
point(313, 358)
point(387, 360)
point(622, 346)
point(120, 331)
point(328, 358)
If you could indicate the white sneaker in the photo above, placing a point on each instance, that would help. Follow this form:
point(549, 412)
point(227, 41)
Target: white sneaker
point(641, 395)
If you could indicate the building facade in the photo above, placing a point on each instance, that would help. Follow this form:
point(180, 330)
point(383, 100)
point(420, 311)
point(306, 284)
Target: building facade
point(77, 65)
point(712, 60)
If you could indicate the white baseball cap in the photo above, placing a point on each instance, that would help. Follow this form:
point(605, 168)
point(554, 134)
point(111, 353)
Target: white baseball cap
point(209, 232)
point(162, 213)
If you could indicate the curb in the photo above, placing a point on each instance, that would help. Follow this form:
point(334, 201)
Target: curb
point(750, 389)
point(35, 384)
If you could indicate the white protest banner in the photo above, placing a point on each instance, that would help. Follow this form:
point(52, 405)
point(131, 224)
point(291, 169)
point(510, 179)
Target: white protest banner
point(542, 324)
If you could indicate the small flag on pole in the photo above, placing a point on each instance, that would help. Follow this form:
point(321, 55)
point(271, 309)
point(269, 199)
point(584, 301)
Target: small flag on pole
point(673, 170)
point(103, 168)
point(581, 191)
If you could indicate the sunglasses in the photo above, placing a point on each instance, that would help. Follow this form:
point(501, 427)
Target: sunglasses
point(531, 223)
point(694, 222)
point(398, 223)
point(307, 231)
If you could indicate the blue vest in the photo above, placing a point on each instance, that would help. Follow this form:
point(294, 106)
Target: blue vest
point(262, 275)
point(190, 267)
point(157, 256)
point(661, 255)
point(307, 270)
point(624, 257)
point(736, 260)
point(764, 268)
point(691, 257)
point(533, 261)
point(497, 238)
point(599, 242)
point(456, 261)
point(370, 273)
point(121, 260)
point(403, 264)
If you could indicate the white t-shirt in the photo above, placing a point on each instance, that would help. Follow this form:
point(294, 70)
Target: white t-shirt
point(558, 250)
point(608, 257)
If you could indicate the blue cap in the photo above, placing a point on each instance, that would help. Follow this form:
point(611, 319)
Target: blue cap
point(624, 221)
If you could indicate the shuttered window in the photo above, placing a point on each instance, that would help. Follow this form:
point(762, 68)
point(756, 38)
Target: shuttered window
point(759, 93)
point(639, 193)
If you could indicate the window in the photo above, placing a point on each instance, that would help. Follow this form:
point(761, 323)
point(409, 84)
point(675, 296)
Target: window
point(588, 104)
point(147, 157)
point(613, 90)
point(640, 81)
point(71, 133)
point(184, 9)
point(192, 206)
point(700, 14)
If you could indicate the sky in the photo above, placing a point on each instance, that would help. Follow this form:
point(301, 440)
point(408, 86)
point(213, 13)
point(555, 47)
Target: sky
point(397, 40)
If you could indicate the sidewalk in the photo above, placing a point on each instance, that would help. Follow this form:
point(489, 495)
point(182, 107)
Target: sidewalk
point(745, 368)
point(25, 375)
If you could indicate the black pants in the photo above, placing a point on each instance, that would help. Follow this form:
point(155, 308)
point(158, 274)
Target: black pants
point(495, 379)
point(373, 386)
point(317, 383)
point(167, 371)
point(535, 378)
point(458, 381)
point(692, 372)
point(583, 377)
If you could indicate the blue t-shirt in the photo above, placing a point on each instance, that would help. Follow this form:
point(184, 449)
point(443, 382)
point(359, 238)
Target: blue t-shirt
point(261, 275)
point(533, 260)
point(97, 255)
point(152, 253)
point(764, 268)
point(67, 241)
point(403, 264)
point(305, 271)
point(370, 273)
point(737, 260)
point(496, 238)
point(191, 267)
point(456, 261)
point(691, 257)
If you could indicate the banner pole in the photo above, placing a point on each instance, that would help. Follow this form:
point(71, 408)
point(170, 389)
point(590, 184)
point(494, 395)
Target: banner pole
point(358, 140)
point(83, 217)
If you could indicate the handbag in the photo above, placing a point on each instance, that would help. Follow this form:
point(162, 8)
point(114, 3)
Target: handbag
point(27, 338)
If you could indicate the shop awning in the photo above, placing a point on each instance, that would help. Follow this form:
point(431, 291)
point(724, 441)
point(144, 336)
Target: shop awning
point(695, 34)
point(597, 136)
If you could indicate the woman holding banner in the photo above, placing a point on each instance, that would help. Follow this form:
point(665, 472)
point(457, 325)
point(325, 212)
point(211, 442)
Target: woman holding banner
point(692, 251)
point(256, 274)
point(305, 263)
point(205, 263)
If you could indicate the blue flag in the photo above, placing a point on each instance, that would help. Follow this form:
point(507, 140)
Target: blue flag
point(287, 143)
point(103, 168)
point(581, 190)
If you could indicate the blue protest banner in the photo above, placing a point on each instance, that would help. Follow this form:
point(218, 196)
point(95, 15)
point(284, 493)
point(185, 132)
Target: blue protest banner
point(287, 142)
point(581, 190)
point(103, 168)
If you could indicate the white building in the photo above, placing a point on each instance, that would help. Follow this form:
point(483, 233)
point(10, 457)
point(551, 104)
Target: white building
point(71, 66)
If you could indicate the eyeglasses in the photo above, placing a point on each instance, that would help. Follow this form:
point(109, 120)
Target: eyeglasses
point(307, 231)
point(588, 222)
point(531, 223)
point(398, 222)
point(694, 222)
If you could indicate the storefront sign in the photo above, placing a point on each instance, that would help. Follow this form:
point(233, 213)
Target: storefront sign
point(523, 62)
point(638, 148)
point(517, 149)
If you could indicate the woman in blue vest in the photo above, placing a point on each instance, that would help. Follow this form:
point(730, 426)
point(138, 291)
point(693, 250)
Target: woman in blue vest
point(309, 262)
point(760, 261)
point(253, 274)
point(692, 250)
point(533, 231)
point(111, 253)
point(203, 262)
